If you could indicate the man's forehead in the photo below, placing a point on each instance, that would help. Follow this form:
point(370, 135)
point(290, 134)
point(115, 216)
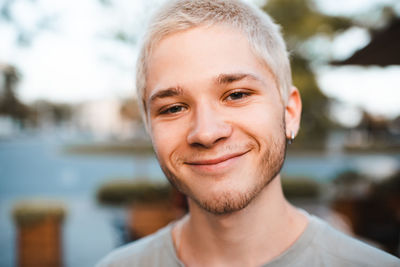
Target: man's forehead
point(199, 38)
point(217, 54)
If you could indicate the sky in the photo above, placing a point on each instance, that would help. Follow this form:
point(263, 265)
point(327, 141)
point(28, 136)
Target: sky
point(77, 58)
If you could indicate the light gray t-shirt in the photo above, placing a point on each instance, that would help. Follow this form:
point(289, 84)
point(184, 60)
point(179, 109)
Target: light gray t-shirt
point(319, 245)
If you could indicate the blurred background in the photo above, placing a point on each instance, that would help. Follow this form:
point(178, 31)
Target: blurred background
point(78, 176)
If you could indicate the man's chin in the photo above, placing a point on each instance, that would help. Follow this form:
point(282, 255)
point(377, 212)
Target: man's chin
point(225, 202)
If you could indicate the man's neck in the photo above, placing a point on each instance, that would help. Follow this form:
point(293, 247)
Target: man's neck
point(263, 230)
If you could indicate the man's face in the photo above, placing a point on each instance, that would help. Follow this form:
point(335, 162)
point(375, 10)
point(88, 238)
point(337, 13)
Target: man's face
point(215, 117)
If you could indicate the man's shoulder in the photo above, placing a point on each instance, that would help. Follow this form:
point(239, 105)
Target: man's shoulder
point(149, 251)
point(337, 247)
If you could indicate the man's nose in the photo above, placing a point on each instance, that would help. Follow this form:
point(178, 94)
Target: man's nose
point(208, 127)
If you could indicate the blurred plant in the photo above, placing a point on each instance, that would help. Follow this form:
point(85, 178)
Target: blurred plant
point(31, 212)
point(301, 22)
point(125, 192)
point(300, 187)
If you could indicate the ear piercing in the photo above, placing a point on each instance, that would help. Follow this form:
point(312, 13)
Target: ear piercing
point(291, 138)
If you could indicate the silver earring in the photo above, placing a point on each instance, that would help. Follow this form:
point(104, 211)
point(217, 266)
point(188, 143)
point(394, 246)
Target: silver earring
point(291, 139)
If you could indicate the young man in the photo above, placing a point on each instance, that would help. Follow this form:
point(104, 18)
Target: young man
point(215, 88)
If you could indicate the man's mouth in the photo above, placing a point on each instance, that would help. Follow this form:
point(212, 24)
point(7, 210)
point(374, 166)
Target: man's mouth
point(215, 164)
point(216, 160)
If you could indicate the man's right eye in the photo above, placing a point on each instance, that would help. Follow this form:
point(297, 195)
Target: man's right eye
point(172, 109)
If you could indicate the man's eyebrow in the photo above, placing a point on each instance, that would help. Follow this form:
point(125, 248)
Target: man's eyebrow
point(220, 79)
point(163, 93)
point(235, 77)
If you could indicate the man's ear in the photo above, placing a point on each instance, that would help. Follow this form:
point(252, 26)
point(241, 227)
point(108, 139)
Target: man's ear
point(293, 112)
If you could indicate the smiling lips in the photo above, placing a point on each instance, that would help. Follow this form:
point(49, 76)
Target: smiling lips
point(210, 165)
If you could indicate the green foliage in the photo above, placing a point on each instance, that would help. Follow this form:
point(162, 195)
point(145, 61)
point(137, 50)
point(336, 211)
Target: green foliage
point(34, 211)
point(315, 122)
point(300, 187)
point(124, 192)
point(300, 22)
point(9, 103)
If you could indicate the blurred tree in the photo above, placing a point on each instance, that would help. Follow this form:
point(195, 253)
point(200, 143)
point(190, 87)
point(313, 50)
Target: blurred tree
point(25, 32)
point(301, 22)
point(9, 103)
point(24, 114)
point(25, 29)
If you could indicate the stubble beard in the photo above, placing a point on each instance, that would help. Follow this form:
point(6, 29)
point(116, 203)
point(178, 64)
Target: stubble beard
point(228, 202)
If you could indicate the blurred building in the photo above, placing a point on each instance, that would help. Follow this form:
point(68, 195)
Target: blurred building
point(107, 119)
point(382, 50)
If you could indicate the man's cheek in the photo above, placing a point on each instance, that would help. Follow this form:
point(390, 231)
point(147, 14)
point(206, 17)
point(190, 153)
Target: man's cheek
point(163, 144)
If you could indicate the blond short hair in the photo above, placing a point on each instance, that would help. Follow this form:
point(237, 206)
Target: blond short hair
point(263, 34)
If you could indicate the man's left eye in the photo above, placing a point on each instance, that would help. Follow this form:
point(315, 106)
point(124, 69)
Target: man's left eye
point(237, 95)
